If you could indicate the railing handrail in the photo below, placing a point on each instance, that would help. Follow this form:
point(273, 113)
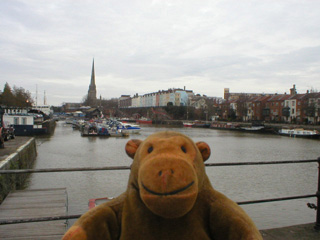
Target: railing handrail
point(76, 216)
point(23, 171)
point(81, 169)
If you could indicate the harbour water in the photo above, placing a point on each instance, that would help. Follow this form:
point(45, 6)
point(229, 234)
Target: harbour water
point(66, 148)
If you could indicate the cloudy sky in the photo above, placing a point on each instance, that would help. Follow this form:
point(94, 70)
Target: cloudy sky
point(145, 46)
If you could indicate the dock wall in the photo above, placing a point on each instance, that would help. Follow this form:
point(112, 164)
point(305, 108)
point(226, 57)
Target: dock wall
point(22, 158)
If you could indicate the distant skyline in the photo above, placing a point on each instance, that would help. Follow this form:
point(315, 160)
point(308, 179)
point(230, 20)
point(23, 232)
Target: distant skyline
point(142, 46)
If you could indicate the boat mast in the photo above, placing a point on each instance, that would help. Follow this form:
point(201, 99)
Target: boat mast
point(44, 98)
point(36, 95)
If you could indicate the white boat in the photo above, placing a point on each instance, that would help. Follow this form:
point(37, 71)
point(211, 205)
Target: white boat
point(300, 132)
point(131, 128)
point(100, 130)
point(253, 128)
point(118, 132)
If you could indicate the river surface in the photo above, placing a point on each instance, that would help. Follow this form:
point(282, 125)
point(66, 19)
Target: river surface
point(66, 148)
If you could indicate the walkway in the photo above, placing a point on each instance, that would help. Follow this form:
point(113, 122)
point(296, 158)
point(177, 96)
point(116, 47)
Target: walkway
point(298, 232)
point(34, 204)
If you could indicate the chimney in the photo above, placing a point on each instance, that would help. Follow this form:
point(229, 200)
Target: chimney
point(293, 90)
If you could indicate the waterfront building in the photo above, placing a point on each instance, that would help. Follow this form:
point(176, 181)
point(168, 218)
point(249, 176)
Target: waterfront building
point(174, 97)
point(312, 105)
point(70, 107)
point(124, 101)
point(258, 107)
point(136, 101)
point(236, 96)
point(308, 107)
point(291, 108)
point(181, 98)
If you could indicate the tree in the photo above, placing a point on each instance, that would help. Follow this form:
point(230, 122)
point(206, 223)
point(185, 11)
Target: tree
point(85, 100)
point(18, 97)
point(7, 97)
point(22, 97)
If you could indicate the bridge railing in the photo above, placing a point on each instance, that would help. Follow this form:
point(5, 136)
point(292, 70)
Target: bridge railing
point(109, 168)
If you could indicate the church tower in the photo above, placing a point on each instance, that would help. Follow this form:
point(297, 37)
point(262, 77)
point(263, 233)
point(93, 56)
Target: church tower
point(92, 92)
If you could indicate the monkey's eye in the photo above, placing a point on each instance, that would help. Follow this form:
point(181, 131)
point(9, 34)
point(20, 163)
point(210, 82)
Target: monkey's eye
point(150, 149)
point(183, 149)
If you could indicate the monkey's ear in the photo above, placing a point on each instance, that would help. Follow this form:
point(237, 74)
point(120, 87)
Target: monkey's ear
point(204, 150)
point(132, 146)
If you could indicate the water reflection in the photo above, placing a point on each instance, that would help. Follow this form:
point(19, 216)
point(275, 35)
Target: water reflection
point(66, 148)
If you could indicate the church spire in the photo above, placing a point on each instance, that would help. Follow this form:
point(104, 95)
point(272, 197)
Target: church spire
point(93, 77)
point(92, 92)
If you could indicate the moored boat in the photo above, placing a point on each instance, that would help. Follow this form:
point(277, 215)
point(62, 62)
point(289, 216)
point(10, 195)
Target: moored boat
point(89, 130)
point(101, 130)
point(113, 132)
point(144, 121)
point(27, 124)
point(131, 128)
point(299, 132)
point(201, 124)
point(188, 124)
point(225, 126)
point(253, 128)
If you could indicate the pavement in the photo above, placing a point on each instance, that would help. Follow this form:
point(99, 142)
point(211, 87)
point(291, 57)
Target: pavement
point(12, 145)
point(297, 232)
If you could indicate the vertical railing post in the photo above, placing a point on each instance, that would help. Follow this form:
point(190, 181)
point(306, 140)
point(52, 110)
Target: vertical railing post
point(317, 226)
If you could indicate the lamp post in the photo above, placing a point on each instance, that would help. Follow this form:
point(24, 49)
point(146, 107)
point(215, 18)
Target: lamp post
point(206, 112)
point(1, 127)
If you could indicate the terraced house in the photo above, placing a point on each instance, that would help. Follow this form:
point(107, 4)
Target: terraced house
point(174, 97)
point(290, 108)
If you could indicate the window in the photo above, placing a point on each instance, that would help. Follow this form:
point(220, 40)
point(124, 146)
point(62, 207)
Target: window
point(24, 121)
point(16, 121)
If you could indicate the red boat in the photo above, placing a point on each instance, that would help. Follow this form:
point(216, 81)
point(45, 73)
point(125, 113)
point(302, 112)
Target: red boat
point(188, 124)
point(96, 201)
point(144, 121)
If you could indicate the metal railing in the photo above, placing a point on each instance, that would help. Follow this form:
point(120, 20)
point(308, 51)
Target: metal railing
point(317, 194)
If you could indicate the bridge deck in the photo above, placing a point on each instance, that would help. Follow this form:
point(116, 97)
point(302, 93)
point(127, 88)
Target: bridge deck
point(34, 204)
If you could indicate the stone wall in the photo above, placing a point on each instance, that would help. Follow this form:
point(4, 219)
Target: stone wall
point(23, 158)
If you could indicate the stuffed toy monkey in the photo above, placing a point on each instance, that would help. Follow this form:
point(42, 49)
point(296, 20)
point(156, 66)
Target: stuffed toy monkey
point(169, 196)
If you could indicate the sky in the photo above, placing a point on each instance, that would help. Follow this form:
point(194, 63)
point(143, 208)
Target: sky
point(253, 46)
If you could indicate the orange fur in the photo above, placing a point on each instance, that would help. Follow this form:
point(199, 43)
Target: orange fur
point(169, 196)
point(75, 233)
